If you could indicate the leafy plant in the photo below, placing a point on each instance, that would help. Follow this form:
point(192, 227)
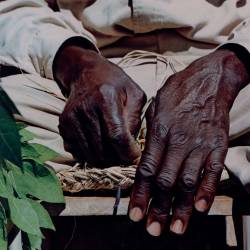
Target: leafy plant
point(24, 179)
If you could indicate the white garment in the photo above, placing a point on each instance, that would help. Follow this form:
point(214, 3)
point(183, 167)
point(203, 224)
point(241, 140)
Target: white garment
point(31, 34)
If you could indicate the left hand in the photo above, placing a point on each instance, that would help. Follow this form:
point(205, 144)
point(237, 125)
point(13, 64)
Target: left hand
point(102, 115)
point(187, 142)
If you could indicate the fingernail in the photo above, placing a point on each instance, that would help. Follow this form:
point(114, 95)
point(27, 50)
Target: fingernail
point(177, 227)
point(135, 214)
point(201, 205)
point(154, 229)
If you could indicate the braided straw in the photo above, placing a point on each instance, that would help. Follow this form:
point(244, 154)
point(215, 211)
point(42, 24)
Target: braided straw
point(80, 178)
point(76, 179)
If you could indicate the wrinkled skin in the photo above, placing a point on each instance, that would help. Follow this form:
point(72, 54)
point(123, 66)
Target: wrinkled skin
point(187, 141)
point(187, 137)
point(102, 115)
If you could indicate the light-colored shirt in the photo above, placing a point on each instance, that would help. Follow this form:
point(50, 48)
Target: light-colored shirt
point(31, 33)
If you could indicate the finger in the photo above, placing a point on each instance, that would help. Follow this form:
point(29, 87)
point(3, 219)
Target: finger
point(163, 191)
point(187, 185)
point(135, 101)
point(207, 190)
point(74, 139)
point(115, 127)
point(90, 126)
point(156, 140)
point(150, 113)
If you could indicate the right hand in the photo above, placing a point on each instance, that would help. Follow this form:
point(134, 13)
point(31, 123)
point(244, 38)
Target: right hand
point(102, 115)
point(187, 142)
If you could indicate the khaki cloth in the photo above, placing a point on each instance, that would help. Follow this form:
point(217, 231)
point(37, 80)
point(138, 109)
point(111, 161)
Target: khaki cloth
point(31, 33)
point(190, 29)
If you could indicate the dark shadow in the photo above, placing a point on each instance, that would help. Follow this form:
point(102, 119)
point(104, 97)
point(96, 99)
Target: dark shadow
point(118, 233)
point(218, 3)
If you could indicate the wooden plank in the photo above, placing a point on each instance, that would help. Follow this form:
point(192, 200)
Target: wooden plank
point(222, 205)
point(99, 206)
point(230, 232)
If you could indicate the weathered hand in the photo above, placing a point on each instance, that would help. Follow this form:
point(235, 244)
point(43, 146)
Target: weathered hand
point(187, 142)
point(102, 114)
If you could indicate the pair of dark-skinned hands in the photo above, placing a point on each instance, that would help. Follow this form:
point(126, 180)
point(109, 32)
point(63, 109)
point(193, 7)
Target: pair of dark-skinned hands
point(187, 129)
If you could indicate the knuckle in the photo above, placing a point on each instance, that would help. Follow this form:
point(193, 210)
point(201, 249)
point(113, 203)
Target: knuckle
point(149, 161)
point(165, 182)
point(107, 91)
point(179, 138)
point(188, 182)
point(219, 141)
point(199, 141)
point(116, 134)
point(146, 170)
point(215, 167)
point(159, 132)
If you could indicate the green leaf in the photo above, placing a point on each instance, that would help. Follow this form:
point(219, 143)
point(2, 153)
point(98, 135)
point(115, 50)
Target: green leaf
point(20, 125)
point(43, 216)
point(10, 146)
point(37, 153)
point(7, 103)
point(11, 184)
point(26, 135)
point(34, 241)
point(3, 216)
point(24, 216)
point(29, 152)
point(3, 236)
point(38, 181)
point(5, 187)
point(46, 154)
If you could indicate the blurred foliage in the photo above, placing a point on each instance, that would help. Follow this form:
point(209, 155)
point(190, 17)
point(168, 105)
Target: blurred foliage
point(25, 181)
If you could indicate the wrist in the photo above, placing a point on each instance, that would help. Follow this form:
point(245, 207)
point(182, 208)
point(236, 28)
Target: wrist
point(234, 69)
point(70, 63)
point(235, 75)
